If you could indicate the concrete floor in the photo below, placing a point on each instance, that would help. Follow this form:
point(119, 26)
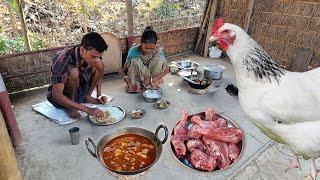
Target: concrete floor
point(46, 152)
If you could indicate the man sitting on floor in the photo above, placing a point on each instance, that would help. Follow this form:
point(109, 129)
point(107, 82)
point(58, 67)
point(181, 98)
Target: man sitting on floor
point(75, 74)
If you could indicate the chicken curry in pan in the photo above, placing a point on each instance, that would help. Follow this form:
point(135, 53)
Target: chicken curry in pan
point(129, 152)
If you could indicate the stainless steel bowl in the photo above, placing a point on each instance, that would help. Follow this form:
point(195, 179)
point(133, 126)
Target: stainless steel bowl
point(213, 71)
point(187, 65)
point(151, 96)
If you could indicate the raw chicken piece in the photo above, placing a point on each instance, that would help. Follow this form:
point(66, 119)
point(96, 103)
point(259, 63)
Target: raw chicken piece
point(233, 151)
point(194, 144)
point(224, 134)
point(202, 161)
point(180, 129)
point(193, 132)
point(218, 149)
point(178, 144)
point(204, 124)
point(210, 115)
point(222, 122)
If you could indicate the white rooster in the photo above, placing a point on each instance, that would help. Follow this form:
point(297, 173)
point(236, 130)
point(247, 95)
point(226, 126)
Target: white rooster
point(284, 105)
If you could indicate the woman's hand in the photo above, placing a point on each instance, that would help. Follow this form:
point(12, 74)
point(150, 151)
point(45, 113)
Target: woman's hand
point(146, 81)
point(155, 80)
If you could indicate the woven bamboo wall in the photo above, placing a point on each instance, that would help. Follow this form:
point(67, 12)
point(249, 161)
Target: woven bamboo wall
point(233, 11)
point(281, 27)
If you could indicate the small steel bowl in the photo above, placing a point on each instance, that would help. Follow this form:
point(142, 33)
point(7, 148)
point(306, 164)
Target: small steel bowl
point(152, 96)
point(162, 104)
point(137, 113)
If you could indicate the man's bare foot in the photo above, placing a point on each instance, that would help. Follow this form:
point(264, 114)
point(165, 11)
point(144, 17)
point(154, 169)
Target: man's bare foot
point(74, 114)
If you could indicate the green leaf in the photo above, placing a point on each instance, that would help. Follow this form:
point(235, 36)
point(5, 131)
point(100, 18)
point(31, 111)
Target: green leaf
point(13, 4)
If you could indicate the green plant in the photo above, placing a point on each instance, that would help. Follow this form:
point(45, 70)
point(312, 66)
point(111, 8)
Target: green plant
point(167, 10)
point(9, 45)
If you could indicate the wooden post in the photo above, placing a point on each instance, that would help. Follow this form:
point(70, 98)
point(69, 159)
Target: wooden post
point(9, 168)
point(249, 12)
point(130, 25)
point(203, 25)
point(213, 12)
point(8, 115)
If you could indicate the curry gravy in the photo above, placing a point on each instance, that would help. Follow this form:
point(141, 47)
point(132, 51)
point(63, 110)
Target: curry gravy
point(129, 152)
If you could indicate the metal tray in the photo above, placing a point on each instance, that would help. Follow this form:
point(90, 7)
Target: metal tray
point(185, 161)
point(116, 111)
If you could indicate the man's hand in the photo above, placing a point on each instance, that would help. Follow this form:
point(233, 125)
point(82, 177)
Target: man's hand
point(96, 112)
point(103, 99)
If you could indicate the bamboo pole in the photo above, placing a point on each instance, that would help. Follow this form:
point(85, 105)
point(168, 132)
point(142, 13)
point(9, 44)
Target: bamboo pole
point(9, 168)
point(85, 19)
point(205, 10)
point(210, 25)
point(203, 25)
point(24, 27)
point(249, 14)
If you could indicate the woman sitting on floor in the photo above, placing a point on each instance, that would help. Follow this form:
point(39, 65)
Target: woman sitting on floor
point(146, 64)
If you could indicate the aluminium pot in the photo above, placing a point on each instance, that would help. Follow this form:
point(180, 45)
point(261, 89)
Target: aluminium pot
point(97, 151)
point(213, 71)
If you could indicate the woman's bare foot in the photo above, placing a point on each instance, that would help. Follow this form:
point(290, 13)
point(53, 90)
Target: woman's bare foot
point(74, 114)
point(133, 89)
point(126, 79)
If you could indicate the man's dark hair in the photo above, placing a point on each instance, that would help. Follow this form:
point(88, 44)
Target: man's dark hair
point(149, 35)
point(93, 40)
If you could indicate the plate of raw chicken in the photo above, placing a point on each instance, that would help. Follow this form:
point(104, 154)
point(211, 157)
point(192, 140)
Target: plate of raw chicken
point(206, 141)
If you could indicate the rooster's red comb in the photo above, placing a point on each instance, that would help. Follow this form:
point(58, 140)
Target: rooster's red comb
point(219, 22)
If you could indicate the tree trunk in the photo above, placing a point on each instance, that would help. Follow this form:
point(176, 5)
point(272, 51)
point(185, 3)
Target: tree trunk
point(12, 20)
point(24, 27)
point(129, 17)
point(85, 20)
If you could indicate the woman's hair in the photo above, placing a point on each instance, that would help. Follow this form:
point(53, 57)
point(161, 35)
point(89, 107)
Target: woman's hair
point(149, 36)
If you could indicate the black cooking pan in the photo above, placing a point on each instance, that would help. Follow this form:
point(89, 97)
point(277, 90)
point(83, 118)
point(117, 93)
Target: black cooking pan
point(198, 83)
